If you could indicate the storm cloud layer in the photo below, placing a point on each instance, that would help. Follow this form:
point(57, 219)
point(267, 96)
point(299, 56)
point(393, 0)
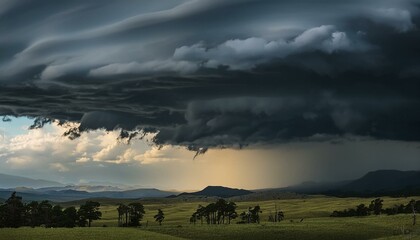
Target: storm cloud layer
point(213, 73)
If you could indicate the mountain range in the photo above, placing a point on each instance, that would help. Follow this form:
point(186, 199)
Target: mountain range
point(376, 183)
point(9, 181)
point(30, 194)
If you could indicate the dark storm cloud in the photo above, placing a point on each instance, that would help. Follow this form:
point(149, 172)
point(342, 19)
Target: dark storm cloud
point(215, 73)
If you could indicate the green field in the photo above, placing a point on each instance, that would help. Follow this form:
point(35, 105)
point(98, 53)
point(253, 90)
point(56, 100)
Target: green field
point(314, 211)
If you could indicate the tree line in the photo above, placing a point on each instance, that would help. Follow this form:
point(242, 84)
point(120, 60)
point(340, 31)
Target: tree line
point(223, 212)
point(14, 213)
point(220, 212)
point(376, 208)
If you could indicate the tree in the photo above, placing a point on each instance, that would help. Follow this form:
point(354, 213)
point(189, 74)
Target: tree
point(193, 218)
point(413, 208)
point(231, 211)
point(159, 217)
point(89, 212)
point(211, 211)
point(254, 216)
point(362, 210)
point(280, 216)
point(14, 211)
point(70, 217)
point(376, 206)
point(45, 212)
point(136, 213)
point(245, 217)
point(2, 215)
point(33, 216)
point(277, 217)
point(122, 210)
point(201, 213)
point(57, 216)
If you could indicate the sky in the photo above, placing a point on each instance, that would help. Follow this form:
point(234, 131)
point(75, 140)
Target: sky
point(180, 94)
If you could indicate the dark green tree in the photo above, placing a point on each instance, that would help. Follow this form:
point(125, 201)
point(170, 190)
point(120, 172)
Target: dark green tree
point(254, 214)
point(89, 212)
point(280, 216)
point(362, 210)
point(136, 213)
point(159, 217)
point(57, 216)
point(245, 217)
point(70, 217)
point(14, 211)
point(45, 213)
point(221, 208)
point(122, 211)
point(201, 213)
point(376, 206)
point(33, 216)
point(3, 212)
point(193, 218)
point(231, 211)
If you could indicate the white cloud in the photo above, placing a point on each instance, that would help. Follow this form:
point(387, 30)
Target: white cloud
point(163, 154)
point(59, 167)
point(46, 148)
point(83, 160)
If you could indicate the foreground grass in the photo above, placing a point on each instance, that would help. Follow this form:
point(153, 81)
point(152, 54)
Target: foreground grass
point(313, 228)
point(81, 234)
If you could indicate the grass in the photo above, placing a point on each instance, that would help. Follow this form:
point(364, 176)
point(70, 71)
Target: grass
point(314, 211)
point(312, 228)
point(81, 234)
point(178, 213)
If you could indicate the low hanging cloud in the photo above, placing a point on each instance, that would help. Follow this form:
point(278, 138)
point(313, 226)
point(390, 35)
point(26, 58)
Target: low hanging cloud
point(153, 67)
point(204, 74)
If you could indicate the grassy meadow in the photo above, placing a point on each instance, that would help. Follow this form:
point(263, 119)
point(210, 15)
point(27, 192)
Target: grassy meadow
point(305, 218)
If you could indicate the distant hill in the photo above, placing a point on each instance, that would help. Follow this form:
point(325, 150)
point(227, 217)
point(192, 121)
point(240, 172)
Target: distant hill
point(29, 194)
point(9, 181)
point(136, 193)
point(218, 191)
point(376, 183)
point(86, 188)
point(382, 182)
point(385, 180)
